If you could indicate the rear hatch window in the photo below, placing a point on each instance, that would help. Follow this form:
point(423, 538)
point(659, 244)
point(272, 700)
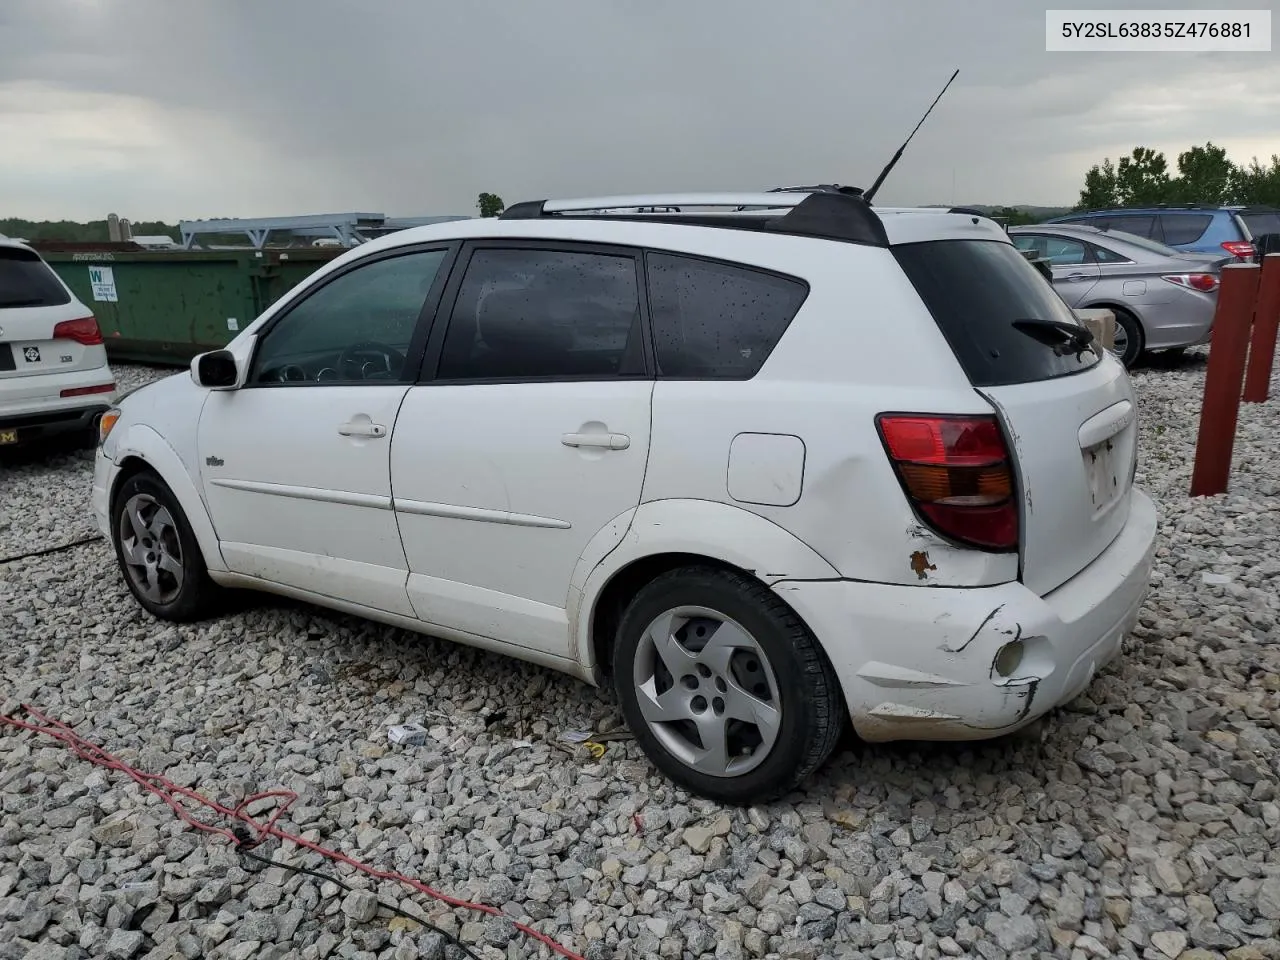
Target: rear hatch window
point(1003, 320)
point(26, 281)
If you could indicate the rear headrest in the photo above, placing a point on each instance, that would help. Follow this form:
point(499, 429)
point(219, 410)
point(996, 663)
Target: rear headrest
point(516, 319)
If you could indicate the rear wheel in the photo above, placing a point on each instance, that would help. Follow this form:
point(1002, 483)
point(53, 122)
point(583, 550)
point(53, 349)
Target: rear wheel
point(158, 553)
point(1129, 339)
point(725, 689)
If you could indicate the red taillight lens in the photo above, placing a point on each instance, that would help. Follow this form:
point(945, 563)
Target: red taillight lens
point(84, 331)
point(956, 471)
point(1239, 248)
point(1204, 282)
point(85, 391)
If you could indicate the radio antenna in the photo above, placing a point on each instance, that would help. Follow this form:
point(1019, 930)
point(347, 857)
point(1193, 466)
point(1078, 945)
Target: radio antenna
point(869, 194)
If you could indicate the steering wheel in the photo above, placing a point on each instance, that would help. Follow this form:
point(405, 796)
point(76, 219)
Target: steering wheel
point(370, 360)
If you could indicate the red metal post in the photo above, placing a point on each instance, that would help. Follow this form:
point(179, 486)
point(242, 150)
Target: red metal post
point(1262, 347)
point(1228, 347)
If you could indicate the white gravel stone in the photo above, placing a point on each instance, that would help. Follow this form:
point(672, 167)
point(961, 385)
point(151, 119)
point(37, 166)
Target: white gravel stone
point(1143, 825)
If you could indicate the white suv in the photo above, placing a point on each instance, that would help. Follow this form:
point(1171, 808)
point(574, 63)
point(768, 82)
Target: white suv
point(770, 463)
point(54, 376)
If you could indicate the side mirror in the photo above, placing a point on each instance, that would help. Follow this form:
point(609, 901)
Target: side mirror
point(215, 370)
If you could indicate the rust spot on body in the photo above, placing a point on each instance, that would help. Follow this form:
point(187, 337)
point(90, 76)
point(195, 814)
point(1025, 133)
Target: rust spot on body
point(921, 565)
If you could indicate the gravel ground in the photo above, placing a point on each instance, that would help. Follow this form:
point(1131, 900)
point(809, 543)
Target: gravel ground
point(1143, 824)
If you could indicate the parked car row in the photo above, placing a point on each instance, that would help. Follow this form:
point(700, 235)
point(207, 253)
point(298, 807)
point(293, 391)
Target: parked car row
point(1162, 299)
point(1234, 230)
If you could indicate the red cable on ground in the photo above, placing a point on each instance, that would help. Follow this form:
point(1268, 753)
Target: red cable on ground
point(166, 790)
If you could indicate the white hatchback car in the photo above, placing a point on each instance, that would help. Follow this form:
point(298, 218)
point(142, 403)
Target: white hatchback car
point(54, 376)
point(770, 463)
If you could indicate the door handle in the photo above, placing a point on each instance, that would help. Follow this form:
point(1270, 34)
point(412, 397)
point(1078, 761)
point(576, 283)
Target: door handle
point(1075, 277)
point(362, 428)
point(609, 441)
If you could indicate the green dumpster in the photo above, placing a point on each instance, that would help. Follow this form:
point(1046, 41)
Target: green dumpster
point(167, 306)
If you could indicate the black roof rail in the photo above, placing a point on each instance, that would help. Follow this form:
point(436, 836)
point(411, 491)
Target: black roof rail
point(824, 214)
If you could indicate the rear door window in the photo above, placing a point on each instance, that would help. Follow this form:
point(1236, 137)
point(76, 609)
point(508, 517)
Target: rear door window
point(27, 281)
point(535, 314)
point(714, 320)
point(1184, 227)
point(995, 310)
point(1059, 251)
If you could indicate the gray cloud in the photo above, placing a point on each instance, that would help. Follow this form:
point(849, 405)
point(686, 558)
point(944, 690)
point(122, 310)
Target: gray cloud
point(234, 107)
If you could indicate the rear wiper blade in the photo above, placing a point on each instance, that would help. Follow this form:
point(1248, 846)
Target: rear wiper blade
point(1077, 338)
point(22, 303)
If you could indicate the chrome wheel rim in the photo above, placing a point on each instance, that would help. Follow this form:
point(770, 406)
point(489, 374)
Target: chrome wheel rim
point(707, 691)
point(151, 548)
point(1120, 342)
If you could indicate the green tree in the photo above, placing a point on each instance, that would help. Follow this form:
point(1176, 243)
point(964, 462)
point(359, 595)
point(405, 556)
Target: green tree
point(1255, 184)
point(1142, 179)
point(490, 204)
point(1100, 189)
point(1014, 217)
point(1205, 175)
point(95, 231)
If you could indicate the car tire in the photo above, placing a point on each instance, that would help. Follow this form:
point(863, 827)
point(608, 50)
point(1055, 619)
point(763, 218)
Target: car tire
point(1131, 339)
point(157, 551)
point(766, 665)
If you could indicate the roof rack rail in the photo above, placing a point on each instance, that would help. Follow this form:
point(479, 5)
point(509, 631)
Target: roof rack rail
point(824, 214)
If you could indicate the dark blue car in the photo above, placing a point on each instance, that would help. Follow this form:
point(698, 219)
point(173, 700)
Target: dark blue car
point(1194, 229)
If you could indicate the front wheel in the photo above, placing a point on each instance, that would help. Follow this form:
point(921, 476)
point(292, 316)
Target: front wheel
point(158, 553)
point(724, 688)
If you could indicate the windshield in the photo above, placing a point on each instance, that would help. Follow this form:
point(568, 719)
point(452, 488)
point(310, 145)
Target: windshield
point(1003, 320)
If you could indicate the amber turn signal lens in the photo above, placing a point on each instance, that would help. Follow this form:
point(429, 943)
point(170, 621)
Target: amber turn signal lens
point(105, 424)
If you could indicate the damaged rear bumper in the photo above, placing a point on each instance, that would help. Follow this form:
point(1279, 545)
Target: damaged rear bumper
point(929, 663)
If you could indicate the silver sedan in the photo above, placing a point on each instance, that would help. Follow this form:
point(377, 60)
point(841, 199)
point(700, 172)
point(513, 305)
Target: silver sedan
point(1163, 299)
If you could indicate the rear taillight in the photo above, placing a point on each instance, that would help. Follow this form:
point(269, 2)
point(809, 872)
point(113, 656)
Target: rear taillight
point(958, 475)
point(1239, 248)
point(1204, 282)
point(84, 331)
point(85, 391)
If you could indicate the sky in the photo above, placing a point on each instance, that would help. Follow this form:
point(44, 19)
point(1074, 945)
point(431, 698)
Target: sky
point(159, 109)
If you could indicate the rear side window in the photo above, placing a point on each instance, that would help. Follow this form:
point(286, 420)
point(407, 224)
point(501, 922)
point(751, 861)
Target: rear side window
point(1103, 255)
point(1184, 227)
point(26, 281)
point(982, 293)
point(717, 321)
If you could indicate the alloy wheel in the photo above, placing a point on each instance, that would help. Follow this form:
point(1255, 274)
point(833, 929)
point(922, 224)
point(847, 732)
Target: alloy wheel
point(1120, 344)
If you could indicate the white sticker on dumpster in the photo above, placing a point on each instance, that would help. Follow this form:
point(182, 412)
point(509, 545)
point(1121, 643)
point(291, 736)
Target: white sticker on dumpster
point(233, 323)
point(104, 284)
